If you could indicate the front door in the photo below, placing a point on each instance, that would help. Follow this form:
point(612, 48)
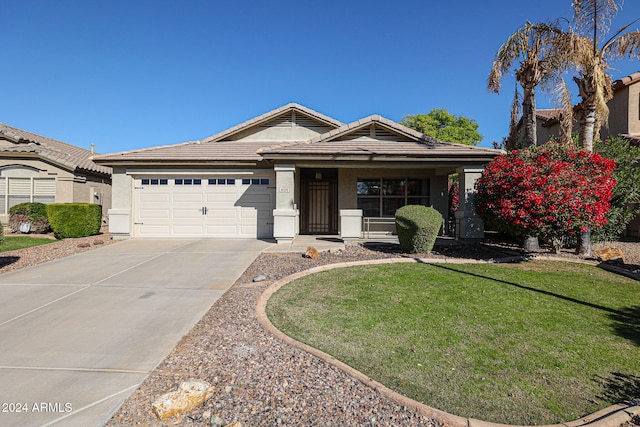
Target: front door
point(319, 201)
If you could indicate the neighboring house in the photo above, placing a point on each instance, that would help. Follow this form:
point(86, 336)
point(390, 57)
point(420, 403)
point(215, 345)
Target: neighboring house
point(287, 172)
point(34, 168)
point(624, 113)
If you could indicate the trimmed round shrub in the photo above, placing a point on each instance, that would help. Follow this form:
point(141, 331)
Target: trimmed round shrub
point(74, 219)
point(34, 213)
point(417, 227)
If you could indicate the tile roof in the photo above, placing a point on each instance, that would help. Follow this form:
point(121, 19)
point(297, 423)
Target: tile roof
point(271, 114)
point(409, 143)
point(400, 142)
point(242, 151)
point(212, 149)
point(64, 154)
point(626, 81)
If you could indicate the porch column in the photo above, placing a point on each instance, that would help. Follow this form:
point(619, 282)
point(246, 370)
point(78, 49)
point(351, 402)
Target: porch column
point(285, 215)
point(120, 212)
point(468, 225)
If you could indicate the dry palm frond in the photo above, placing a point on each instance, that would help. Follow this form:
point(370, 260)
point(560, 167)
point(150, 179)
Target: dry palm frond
point(593, 17)
point(530, 43)
point(625, 46)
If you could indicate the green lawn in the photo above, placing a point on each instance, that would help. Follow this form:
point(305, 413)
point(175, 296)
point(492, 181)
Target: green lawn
point(12, 243)
point(529, 343)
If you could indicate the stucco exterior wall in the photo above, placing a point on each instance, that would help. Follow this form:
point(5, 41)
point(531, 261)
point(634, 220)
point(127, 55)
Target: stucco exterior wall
point(618, 114)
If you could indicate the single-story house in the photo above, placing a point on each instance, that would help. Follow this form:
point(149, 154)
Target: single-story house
point(35, 168)
point(287, 172)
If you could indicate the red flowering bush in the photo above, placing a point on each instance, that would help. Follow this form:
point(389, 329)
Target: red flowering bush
point(549, 191)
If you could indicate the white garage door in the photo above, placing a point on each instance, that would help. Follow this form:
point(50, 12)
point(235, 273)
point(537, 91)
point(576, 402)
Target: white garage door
point(188, 206)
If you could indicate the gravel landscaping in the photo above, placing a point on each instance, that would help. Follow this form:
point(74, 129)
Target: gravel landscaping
point(259, 380)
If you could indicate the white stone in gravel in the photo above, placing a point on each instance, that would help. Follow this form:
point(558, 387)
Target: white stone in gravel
point(260, 278)
point(189, 395)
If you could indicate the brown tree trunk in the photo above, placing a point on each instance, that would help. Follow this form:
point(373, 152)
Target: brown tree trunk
point(529, 116)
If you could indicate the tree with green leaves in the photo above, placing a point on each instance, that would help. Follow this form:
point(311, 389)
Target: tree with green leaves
point(444, 126)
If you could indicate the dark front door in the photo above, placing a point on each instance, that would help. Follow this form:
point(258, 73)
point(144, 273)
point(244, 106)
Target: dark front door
point(319, 201)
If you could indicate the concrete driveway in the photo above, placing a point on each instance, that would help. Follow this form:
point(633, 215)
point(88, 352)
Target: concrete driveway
point(79, 334)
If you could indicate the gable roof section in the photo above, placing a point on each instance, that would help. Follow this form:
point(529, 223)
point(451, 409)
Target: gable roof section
point(271, 115)
point(222, 147)
point(377, 137)
point(66, 155)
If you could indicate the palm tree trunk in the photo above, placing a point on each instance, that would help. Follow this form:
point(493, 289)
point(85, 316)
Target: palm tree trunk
point(587, 127)
point(529, 115)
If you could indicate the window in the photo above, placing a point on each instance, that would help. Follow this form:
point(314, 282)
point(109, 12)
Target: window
point(381, 197)
point(187, 181)
point(154, 181)
point(222, 181)
point(255, 181)
point(16, 190)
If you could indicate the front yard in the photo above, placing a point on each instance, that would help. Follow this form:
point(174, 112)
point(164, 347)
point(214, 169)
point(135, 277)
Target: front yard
point(528, 343)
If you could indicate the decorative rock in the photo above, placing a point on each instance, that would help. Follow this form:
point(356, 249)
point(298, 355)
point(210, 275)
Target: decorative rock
point(607, 254)
point(260, 278)
point(216, 421)
point(311, 253)
point(84, 245)
point(189, 395)
point(234, 424)
point(98, 242)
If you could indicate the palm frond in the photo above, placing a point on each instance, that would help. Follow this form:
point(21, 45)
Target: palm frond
point(592, 18)
point(625, 46)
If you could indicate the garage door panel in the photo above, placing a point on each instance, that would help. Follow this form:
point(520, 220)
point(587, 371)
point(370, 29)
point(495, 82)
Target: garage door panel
point(153, 197)
point(233, 209)
point(217, 214)
point(188, 230)
point(187, 197)
point(155, 214)
point(222, 198)
point(249, 213)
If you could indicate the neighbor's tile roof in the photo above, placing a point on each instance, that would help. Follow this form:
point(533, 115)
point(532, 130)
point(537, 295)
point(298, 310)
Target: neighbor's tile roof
point(56, 151)
point(626, 81)
point(550, 114)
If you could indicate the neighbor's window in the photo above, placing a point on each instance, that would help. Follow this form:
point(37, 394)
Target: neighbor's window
point(382, 197)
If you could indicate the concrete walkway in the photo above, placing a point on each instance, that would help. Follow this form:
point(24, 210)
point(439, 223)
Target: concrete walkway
point(79, 334)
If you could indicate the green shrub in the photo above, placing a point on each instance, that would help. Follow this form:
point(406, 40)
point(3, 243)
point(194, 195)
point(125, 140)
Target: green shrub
point(417, 227)
point(34, 213)
point(626, 194)
point(1, 233)
point(74, 219)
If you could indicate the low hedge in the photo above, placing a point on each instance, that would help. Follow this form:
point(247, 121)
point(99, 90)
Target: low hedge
point(33, 213)
point(74, 219)
point(417, 227)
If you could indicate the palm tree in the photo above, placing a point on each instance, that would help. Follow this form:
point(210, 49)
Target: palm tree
point(586, 50)
point(530, 45)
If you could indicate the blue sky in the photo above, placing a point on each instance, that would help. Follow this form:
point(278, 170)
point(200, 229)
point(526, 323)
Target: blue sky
point(138, 73)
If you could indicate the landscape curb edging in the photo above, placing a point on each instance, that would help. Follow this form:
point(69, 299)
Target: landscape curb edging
point(613, 416)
